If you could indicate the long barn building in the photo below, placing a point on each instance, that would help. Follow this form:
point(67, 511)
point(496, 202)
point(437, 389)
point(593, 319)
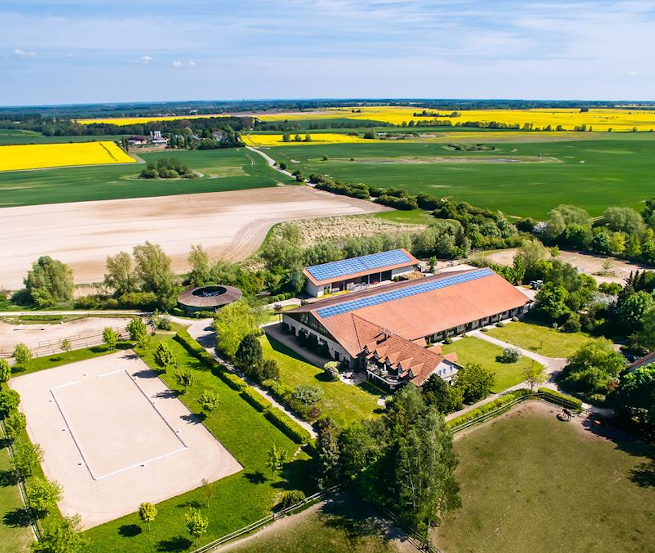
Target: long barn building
point(388, 330)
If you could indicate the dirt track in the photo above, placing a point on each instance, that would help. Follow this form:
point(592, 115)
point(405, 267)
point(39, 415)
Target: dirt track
point(230, 225)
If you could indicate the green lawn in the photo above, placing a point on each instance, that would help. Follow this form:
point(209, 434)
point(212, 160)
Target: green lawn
point(239, 499)
point(345, 525)
point(10, 136)
point(15, 536)
point(541, 339)
point(594, 173)
point(64, 358)
point(345, 403)
point(531, 483)
point(475, 350)
point(227, 169)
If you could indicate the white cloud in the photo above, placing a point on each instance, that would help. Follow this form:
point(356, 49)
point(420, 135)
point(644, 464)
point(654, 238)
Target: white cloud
point(177, 64)
point(145, 59)
point(23, 54)
point(192, 64)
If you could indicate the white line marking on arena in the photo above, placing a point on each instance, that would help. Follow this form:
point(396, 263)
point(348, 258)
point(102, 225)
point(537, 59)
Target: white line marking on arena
point(142, 463)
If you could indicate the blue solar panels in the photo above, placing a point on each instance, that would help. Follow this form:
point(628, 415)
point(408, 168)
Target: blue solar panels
point(337, 269)
point(377, 299)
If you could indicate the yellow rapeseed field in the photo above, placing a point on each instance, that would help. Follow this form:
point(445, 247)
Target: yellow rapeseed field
point(40, 156)
point(569, 119)
point(259, 140)
point(122, 121)
point(621, 120)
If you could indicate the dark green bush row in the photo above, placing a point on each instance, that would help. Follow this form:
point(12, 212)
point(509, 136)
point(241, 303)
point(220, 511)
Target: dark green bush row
point(195, 349)
point(256, 399)
point(488, 407)
point(558, 397)
point(289, 427)
point(232, 380)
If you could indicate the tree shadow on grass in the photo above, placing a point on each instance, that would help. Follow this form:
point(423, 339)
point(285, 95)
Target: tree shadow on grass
point(18, 518)
point(129, 530)
point(179, 543)
point(256, 477)
point(644, 475)
point(297, 476)
point(193, 504)
point(8, 478)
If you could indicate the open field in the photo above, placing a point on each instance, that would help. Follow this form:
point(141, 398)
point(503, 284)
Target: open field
point(230, 225)
point(11, 136)
point(585, 263)
point(41, 156)
point(540, 339)
point(533, 483)
point(116, 403)
point(266, 140)
point(14, 536)
point(344, 403)
point(221, 170)
point(238, 499)
point(341, 525)
point(592, 173)
point(599, 119)
point(475, 350)
point(41, 338)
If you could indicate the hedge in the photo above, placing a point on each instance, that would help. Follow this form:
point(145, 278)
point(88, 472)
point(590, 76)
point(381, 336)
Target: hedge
point(488, 407)
point(558, 397)
point(195, 349)
point(232, 380)
point(289, 427)
point(256, 399)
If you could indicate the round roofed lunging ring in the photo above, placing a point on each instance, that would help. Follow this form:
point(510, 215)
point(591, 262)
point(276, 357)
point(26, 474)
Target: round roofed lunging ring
point(208, 298)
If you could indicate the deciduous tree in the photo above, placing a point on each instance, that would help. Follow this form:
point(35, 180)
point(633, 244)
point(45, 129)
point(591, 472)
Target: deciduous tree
point(43, 495)
point(50, 282)
point(61, 535)
point(147, 513)
point(164, 357)
point(23, 356)
point(120, 275)
point(110, 337)
point(196, 524)
point(198, 260)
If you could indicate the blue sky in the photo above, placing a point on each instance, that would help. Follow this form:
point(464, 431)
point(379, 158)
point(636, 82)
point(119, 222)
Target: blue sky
point(54, 52)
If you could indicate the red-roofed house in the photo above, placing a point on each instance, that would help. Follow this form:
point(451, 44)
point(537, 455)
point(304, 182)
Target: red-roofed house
point(388, 330)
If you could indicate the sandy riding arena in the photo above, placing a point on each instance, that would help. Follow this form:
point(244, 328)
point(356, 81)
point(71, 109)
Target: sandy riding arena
point(231, 225)
point(115, 436)
point(44, 338)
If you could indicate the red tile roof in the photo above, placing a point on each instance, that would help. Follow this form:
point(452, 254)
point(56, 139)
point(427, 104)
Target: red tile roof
point(419, 315)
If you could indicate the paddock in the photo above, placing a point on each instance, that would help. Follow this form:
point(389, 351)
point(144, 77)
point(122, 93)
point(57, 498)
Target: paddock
point(115, 436)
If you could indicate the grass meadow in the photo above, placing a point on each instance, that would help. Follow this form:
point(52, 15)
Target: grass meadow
point(532, 483)
point(541, 339)
point(593, 173)
point(344, 403)
point(475, 350)
point(342, 525)
point(222, 170)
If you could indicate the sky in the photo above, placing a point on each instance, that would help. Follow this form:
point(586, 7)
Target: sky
point(88, 51)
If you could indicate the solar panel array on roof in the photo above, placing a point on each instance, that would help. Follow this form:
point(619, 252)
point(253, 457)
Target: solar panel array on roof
point(337, 269)
point(345, 307)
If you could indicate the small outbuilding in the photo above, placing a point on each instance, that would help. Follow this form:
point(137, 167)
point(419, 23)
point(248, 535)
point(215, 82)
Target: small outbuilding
point(207, 298)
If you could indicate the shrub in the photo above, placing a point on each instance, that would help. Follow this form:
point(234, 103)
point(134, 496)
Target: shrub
point(256, 399)
point(291, 498)
point(484, 329)
point(193, 347)
point(515, 319)
point(232, 380)
point(280, 391)
point(510, 355)
point(331, 370)
point(500, 324)
point(288, 426)
point(309, 395)
point(448, 340)
point(562, 399)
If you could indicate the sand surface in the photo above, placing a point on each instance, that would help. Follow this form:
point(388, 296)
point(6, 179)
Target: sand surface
point(44, 338)
point(114, 436)
point(231, 225)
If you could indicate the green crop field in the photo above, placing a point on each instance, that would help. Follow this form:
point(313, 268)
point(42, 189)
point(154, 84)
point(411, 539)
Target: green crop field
point(227, 169)
point(526, 178)
point(532, 483)
point(9, 136)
